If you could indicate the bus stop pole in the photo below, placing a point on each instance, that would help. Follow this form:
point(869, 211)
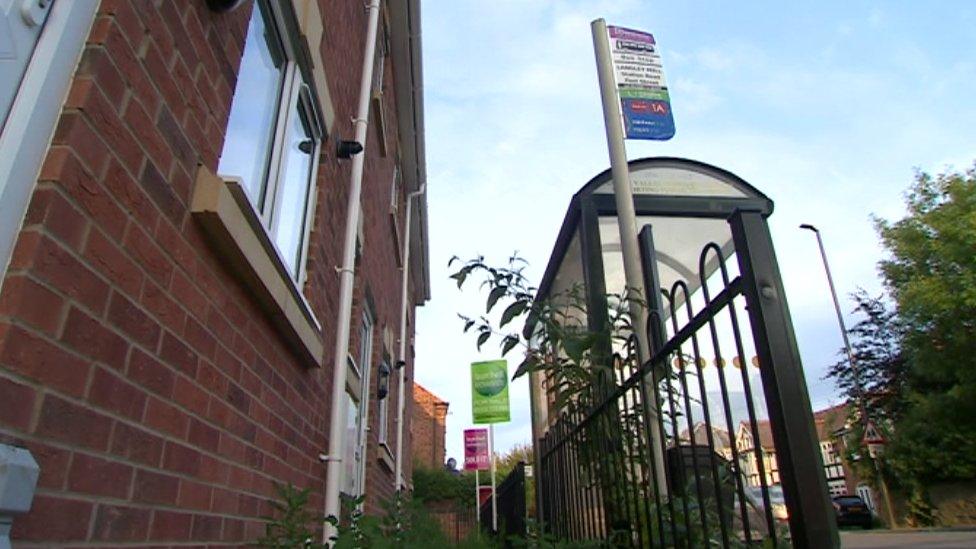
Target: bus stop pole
point(627, 225)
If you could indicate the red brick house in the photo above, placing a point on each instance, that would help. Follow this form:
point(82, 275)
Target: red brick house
point(428, 428)
point(168, 334)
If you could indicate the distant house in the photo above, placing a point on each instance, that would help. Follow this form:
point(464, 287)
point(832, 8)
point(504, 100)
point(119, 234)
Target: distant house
point(745, 443)
point(428, 428)
point(831, 424)
point(699, 437)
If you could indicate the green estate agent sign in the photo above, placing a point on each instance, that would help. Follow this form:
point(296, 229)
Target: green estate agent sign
point(489, 391)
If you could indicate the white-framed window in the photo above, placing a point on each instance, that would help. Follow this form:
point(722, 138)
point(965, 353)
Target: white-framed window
point(836, 487)
point(383, 408)
point(40, 44)
point(864, 491)
point(350, 454)
point(395, 191)
point(274, 136)
point(357, 412)
point(365, 347)
point(376, 95)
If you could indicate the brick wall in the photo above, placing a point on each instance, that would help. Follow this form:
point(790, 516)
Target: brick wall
point(158, 399)
point(429, 428)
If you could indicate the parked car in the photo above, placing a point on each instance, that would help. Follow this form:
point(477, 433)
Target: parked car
point(755, 510)
point(852, 511)
point(776, 502)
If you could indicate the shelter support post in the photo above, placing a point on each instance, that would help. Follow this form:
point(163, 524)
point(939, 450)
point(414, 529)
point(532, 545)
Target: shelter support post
point(812, 521)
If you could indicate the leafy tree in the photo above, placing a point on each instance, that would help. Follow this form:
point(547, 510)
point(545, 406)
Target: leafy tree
point(881, 365)
point(506, 463)
point(931, 274)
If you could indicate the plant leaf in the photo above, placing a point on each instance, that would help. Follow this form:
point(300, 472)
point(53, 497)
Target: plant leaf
point(494, 296)
point(508, 343)
point(513, 311)
point(525, 367)
point(483, 338)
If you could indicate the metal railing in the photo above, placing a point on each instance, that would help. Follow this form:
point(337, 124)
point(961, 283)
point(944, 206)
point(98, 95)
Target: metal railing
point(511, 505)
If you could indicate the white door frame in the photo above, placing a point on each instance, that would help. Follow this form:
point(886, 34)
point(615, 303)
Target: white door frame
point(35, 111)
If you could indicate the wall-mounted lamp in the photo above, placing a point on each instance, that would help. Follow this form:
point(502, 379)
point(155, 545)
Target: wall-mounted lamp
point(346, 149)
point(400, 364)
point(384, 381)
point(222, 6)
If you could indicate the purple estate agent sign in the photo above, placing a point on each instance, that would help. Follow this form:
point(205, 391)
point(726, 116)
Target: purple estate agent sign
point(475, 449)
point(644, 100)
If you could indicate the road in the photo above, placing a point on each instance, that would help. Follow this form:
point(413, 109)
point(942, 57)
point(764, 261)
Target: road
point(883, 539)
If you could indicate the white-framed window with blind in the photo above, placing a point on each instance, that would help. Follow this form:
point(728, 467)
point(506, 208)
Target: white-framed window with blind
point(274, 135)
point(377, 87)
point(357, 410)
point(383, 408)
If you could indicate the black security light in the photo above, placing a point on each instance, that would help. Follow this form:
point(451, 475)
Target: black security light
point(400, 364)
point(345, 149)
point(384, 381)
point(222, 6)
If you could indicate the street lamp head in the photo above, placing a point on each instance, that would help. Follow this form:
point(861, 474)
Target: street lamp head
point(809, 227)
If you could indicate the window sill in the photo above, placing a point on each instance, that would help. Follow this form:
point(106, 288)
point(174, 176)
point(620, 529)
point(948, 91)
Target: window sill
point(236, 234)
point(386, 456)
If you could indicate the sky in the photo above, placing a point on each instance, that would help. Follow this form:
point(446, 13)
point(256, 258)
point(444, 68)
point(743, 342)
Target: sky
point(827, 108)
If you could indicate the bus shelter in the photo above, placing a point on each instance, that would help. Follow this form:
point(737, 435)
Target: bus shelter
point(694, 443)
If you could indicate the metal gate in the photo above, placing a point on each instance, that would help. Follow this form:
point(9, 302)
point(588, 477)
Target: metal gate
point(710, 441)
point(511, 506)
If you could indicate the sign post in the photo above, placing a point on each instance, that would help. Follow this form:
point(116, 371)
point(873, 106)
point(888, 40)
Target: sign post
point(489, 404)
point(476, 457)
point(632, 90)
point(494, 492)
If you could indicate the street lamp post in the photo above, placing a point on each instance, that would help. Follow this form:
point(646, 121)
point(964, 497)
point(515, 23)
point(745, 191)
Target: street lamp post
point(862, 402)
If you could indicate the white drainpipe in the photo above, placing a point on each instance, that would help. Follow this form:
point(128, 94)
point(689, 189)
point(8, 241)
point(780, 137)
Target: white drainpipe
point(346, 280)
point(398, 477)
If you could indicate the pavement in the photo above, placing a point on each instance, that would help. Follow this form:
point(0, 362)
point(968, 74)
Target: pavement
point(883, 539)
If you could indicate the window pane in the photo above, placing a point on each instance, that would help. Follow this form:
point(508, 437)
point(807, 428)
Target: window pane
point(251, 127)
point(365, 345)
point(383, 409)
point(297, 150)
point(381, 416)
point(350, 467)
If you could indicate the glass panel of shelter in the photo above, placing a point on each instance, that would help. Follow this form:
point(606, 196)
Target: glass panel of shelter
point(679, 242)
point(567, 293)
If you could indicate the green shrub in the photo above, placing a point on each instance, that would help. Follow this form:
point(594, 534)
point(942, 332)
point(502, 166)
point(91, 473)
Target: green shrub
point(441, 485)
point(405, 524)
